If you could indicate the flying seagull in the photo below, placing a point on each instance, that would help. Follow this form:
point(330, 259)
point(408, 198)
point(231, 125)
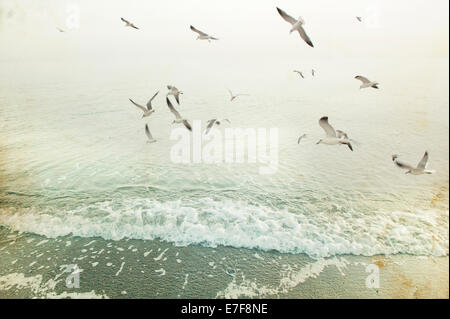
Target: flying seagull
point(299, 73)
point(149, 135)
point(332, 138)
point(60, 30)
point(214, 121)
point(300, 138)
point(178, 118)
point(149, 110)
point(419, 170)
point(366, 83)
point(129, 24)
point(296, 26)
point(313, 72)
point(234, 96)
point(359, 19)
point(175, 92)
point(203, 35)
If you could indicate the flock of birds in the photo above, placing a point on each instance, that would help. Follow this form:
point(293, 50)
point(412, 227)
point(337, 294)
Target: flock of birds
point(333, 137)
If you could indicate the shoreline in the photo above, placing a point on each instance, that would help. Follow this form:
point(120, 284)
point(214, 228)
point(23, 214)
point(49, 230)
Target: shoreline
point(32, 266)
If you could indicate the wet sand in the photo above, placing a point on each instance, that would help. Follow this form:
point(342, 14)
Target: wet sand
point(33, 266)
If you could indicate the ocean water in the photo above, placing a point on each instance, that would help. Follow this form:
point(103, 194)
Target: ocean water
point(80, 185)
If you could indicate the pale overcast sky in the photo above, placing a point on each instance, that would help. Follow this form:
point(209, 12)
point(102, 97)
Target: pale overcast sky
point(246, 29)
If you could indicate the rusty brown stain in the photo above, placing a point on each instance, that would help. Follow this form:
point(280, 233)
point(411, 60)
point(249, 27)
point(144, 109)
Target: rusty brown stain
point(381, 262)
point(441, 196)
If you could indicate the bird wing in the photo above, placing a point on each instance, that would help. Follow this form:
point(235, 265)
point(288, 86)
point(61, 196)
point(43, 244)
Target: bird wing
point(147, 132)
point(210, 124)
point(149, 103)
point(133, 26)
point(403, 165)
point(329, 130)
point(300, 138)
point(423, 162)
point(177, 97)
point(188, 126)
point(139, 106)
point(362, 79)
point(286, 17)
point(304, 36)
point(172, 109)
point(124, 20)
point(340, 134)
point(198, 31)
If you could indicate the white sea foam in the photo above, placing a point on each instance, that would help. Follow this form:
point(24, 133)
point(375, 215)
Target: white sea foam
point(161, 271)
point(212, 223)
point(41, 289)
point(290, 279)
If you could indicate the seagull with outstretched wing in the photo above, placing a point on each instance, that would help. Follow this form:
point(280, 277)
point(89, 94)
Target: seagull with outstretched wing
point(149, 110)
point(299, 73)
point(178, 117)
point(366, 83)
point(202, 35)
point(175, 92)
point(233, 96)
point(419, 170)
point(331, 135)
point(129, 24)
point(297, 25)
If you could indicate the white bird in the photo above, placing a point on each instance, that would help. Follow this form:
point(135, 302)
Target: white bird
point(203, 35)
point(178, 118)
point(129, 24)
point(359, 19)
point(296, 26)
point(299, 73)
point(313, 72)
point(149, 135)
point(419, 170)
point(366, 83)
point(234, 96)
point(175, 92)
point(214, 121)
point(149, 110)
point(300, 138)
point(60, 30)
point(332, 138)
